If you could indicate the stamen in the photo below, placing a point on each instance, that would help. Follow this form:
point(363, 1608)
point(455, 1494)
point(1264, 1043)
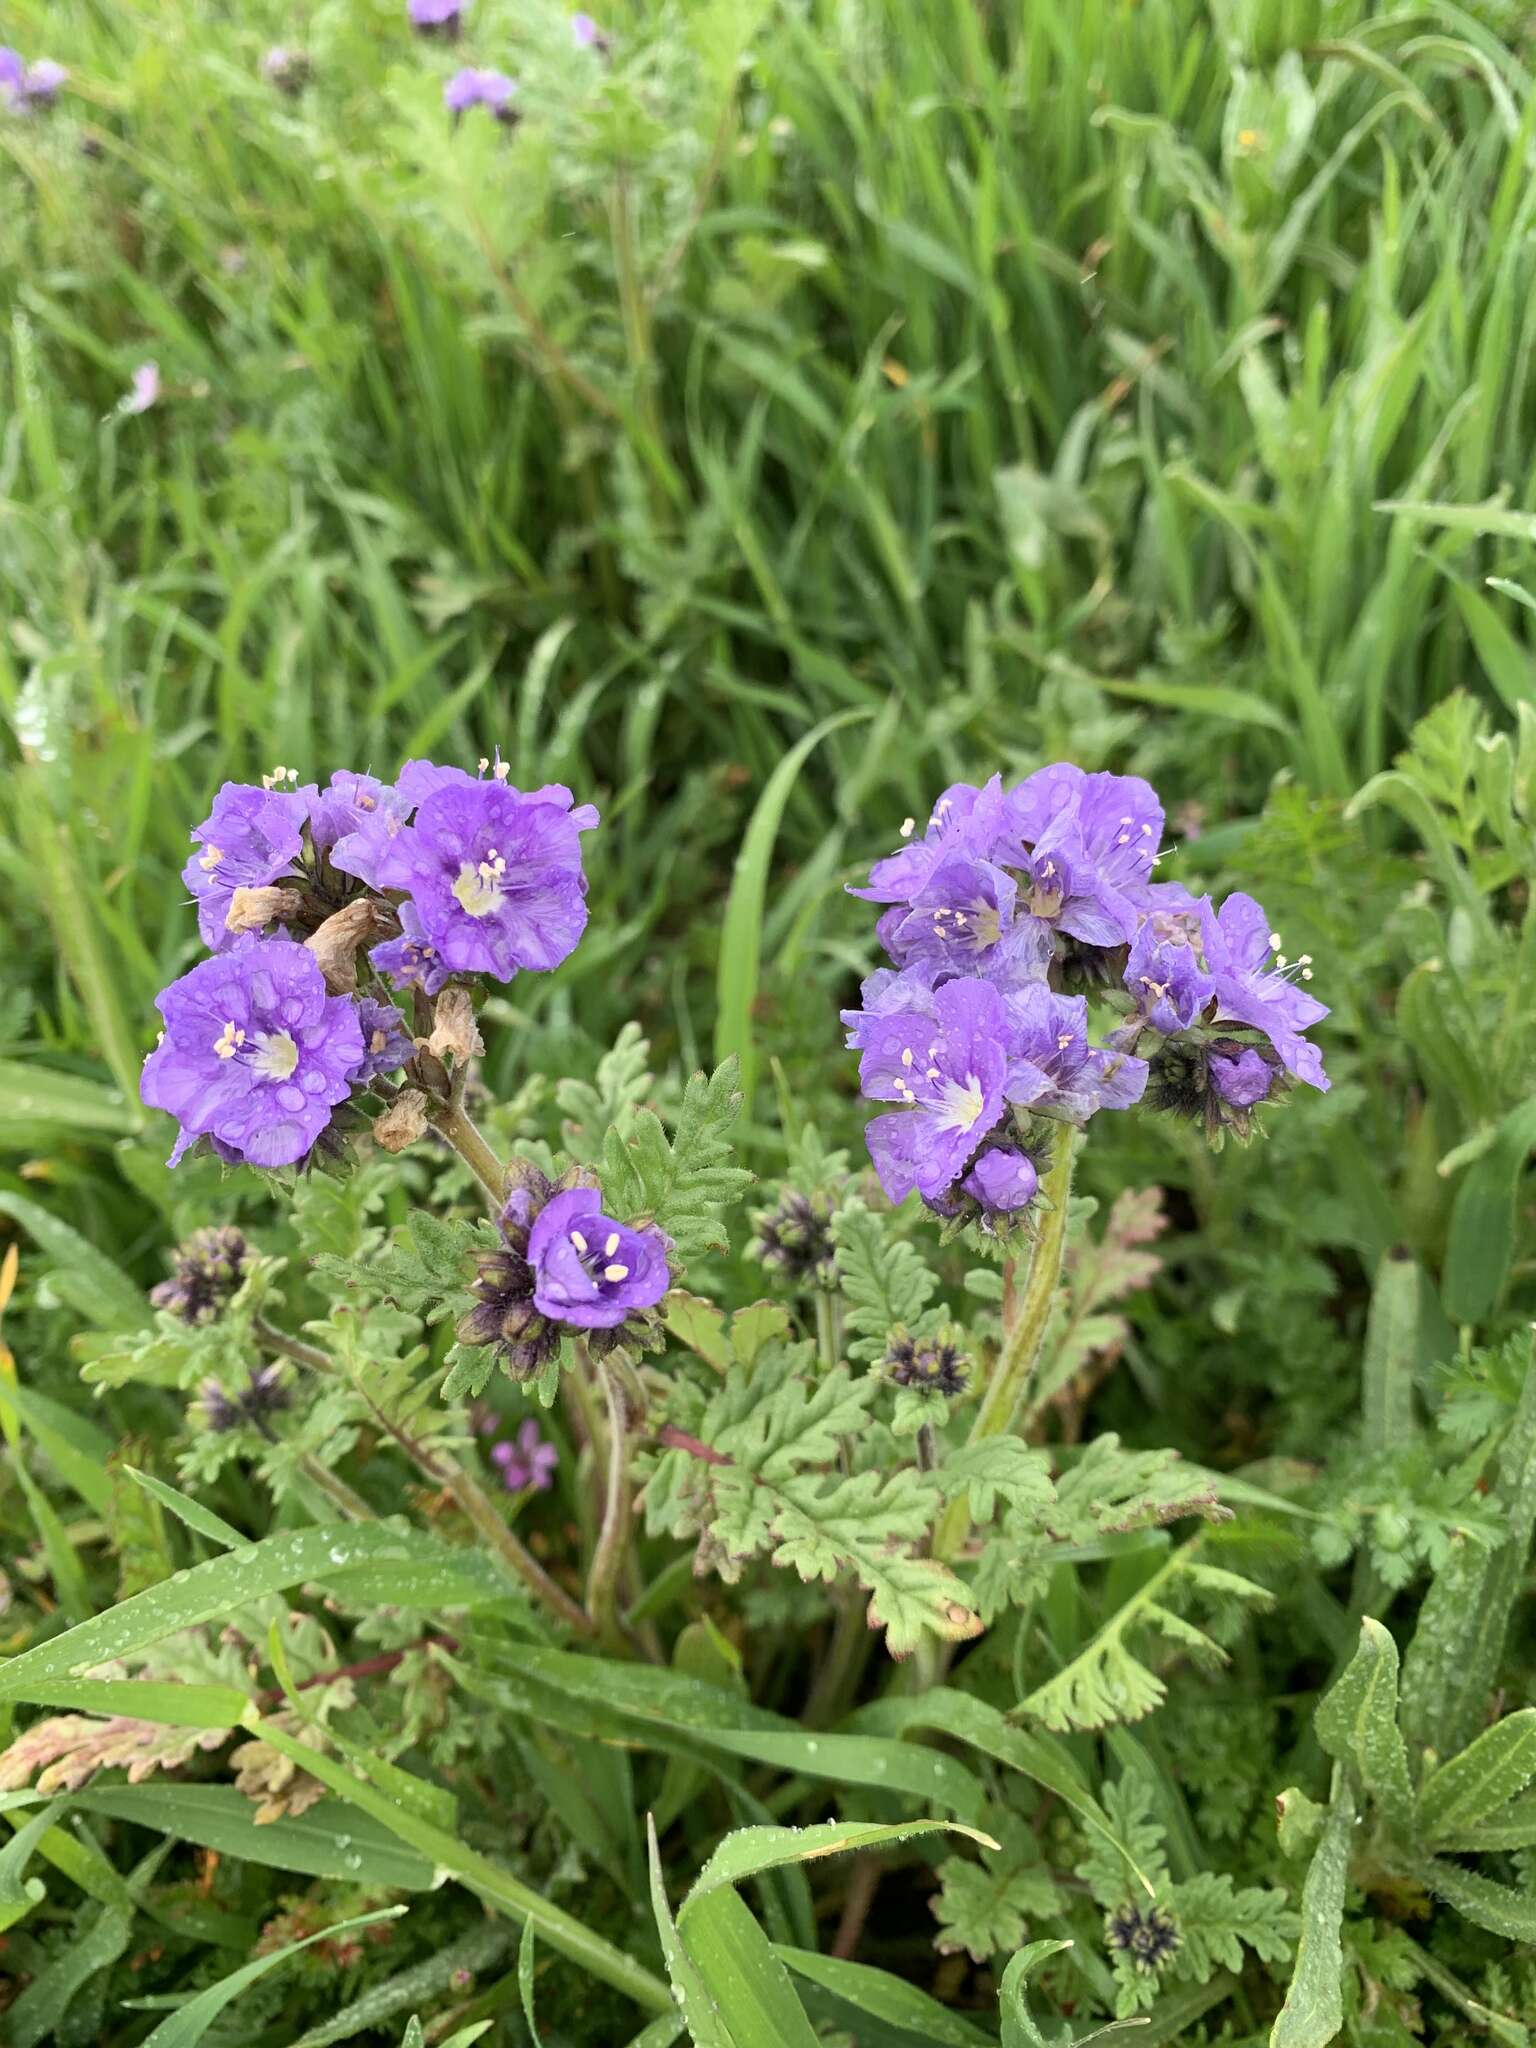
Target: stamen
point(611, 1246)
point(229, 1041)
point(906, 1056)
point(578, 1240)
point(615, 1272)
point(209, 858)
point(908, 827)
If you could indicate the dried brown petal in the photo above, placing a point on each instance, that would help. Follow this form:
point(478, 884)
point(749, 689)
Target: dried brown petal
point(252, 909)
point(453, 1026)
point(403, 1122)
point(335, 945)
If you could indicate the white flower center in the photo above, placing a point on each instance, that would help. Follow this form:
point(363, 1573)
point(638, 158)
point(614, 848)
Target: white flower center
point(959, 1106)
point(276, 1054)
point(478, 888)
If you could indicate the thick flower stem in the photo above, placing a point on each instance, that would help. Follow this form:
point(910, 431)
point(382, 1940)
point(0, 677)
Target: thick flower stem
point(454, 1123)
point(613, 1538)
point(1012, 1376)
point(467, 1494)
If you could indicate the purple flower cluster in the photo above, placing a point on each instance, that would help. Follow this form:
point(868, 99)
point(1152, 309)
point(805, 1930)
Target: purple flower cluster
point(28, 88)
point(482, 88)
point(453, 874)
point(1010, 909)
point(563, 1265)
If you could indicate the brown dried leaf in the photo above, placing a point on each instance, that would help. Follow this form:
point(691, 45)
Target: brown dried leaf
point(67, 1750)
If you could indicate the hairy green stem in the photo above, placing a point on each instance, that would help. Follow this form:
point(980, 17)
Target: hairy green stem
point(455, 1124)
point(1014, 1372)
point(613, 1538)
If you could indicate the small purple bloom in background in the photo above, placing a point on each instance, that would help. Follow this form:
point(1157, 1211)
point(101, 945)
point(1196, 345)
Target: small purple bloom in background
point(25, 88)
point(1252, 991)
point(444, 18)
point(1241, 1077)
point(255, 1054)
point(1002, 1181)
point(944, 1061)
point(251, 838)
point(1166, 971)
point(206, 1275)
point(387, 1045)
point(288, 70)
point(356, 808)
point(143, 392)
point(1051, 1065)
point(586, 35)
point(590, 1271)
point(528, 1463)
point(494, 875)
point(471, 88)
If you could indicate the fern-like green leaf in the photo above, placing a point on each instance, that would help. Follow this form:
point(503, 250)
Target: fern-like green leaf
point(885, 1282)
point(685, 1184)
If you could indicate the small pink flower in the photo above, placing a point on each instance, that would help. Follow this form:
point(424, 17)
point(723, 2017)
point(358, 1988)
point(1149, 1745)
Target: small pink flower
point(144, 391)
point(528, 1464)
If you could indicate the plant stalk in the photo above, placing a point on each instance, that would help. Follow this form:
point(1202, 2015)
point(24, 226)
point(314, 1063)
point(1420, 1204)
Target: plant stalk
point(1013, 1375)
point(618, 1508)
point(454, 1123)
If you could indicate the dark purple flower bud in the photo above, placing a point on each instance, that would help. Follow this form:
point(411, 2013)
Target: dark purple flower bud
point(251, 837)
point(1146, 1936)
point(1003, 1181)
point(494, 875)
point(264, 1394)
point(492, 89)
point(589, 1271)
point(1241, 1077)
point(206, 1275)
point(1264, 995)
point(288, 70)
point(255, 1053)
point(442, 18)
point(387, 1045)
point(795, 1238)
point(933, 1365)
point(528, 1463)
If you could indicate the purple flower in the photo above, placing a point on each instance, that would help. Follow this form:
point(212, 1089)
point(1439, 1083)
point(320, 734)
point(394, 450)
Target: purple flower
point(250, 838)
point(255, 1053)
point(1053, 1068)
point(494, 875)
point(1166, 971)
point(586, 34)
point(965, 820)
point(411, 961)
point(529, 1463)
point(387, 1045)
point(943, 1059)
point(590, 1271)
point(24, 87)
point(286, 69)
point(437, 17)
point(1003, 1181)
point(143, 391)
point(1240, 1077)
point(1249, 990)
point(1093, 843)
point(357, 810)
point(471, 88)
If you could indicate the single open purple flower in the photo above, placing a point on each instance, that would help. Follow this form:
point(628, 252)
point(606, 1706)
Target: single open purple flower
point(443, 18)
point(1003, 1181)
point(1093, 843)
point(1253, 991)
point(250, 838)
point(411, 961)
point(26, 88)
point(494, 874)
point(143, 391)
point(1241, 1077)
point(943, 1059)
point(356, 809)
point(965, 821)
point(528, 1463)
point(387, 1045)
point(1053, 1068)
point(471, 88)
point(1166, 971)
point(255, 1053)
point(590, 1271)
